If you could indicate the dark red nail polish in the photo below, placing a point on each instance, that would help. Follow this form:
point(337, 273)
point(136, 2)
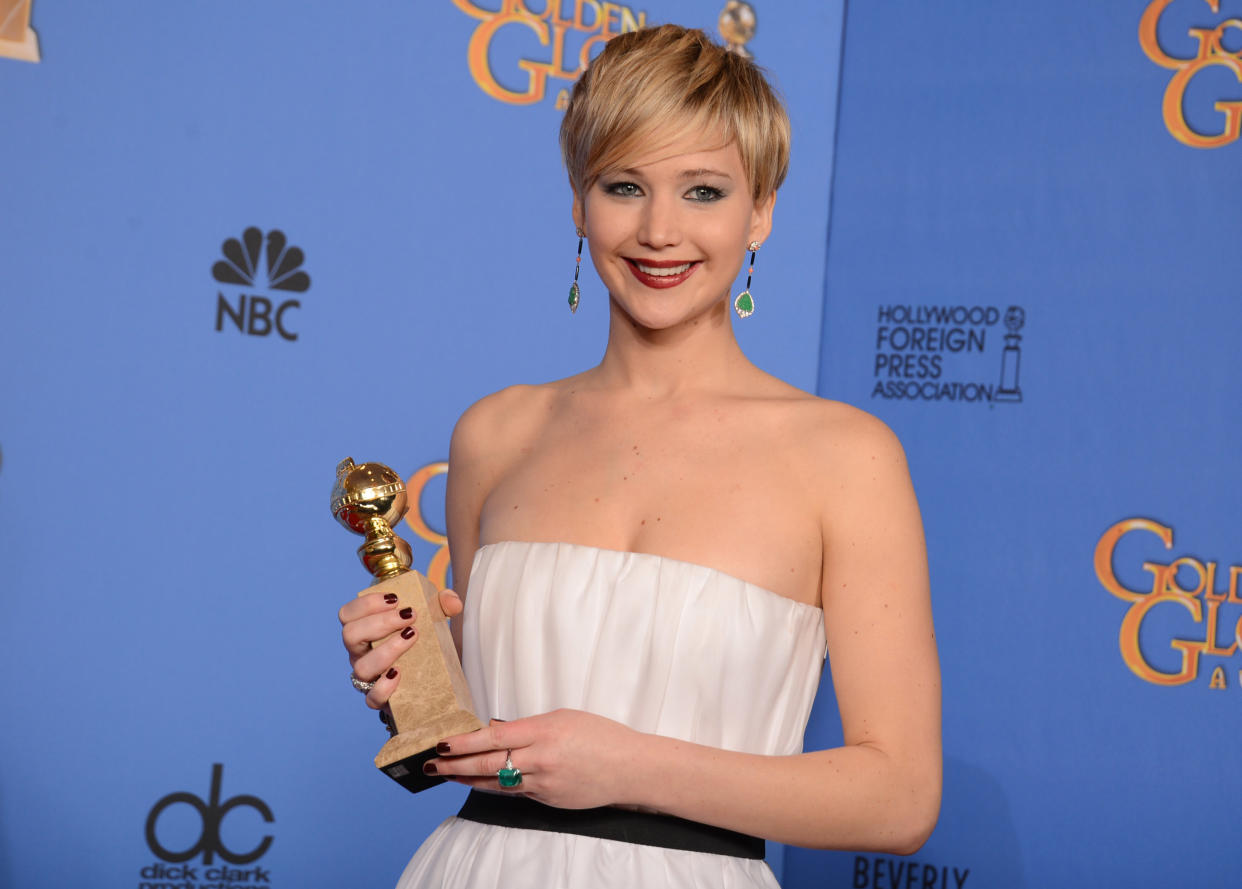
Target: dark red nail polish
point(406, 613)
point(429, 768)
point(390, 598)
point(443, 748)
point(407, 633)
point(392, 673)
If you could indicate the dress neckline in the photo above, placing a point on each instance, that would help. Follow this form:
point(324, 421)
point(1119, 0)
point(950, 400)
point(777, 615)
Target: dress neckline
point(656, 556)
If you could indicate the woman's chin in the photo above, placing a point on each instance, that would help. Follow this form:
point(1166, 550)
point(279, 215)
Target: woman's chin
point(666, 314)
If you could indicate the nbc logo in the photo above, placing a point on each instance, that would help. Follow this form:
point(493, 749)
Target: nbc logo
point(253, 314)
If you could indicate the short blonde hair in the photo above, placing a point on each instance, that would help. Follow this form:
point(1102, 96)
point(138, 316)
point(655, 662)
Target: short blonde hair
point(650, 86)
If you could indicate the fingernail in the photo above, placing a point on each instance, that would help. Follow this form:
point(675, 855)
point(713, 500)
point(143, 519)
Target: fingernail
point(392, 673)
point(390, 598)
point(429, 768)
point(443, 748)
point(408, 633)
point(406, 613)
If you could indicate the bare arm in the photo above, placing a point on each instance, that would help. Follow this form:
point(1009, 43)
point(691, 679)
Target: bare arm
point(881, 789)
point(480, 449)
point(463, 502)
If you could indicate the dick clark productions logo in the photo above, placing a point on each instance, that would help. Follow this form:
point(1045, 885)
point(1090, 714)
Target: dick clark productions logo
point(255, 314)
point(211, 814)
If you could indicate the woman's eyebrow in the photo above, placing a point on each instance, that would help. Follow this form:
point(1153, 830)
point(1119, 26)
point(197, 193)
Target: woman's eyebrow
point(703, 171)
point(684, 174)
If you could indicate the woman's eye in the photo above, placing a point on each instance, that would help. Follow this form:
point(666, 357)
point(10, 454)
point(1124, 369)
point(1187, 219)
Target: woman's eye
point(705, 193)
point(624, 189)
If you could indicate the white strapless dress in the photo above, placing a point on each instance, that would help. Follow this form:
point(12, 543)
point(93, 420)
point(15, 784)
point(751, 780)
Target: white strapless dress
point(664, 646)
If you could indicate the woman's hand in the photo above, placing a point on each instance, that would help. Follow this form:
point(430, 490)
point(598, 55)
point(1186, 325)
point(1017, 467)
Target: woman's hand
point(568, 758)
point(373, 617)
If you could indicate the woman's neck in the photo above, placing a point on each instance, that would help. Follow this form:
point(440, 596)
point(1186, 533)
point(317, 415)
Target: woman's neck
point(699, 354)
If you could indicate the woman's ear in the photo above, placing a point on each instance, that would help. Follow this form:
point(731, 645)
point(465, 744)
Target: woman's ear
point(579, 213)
point(761, 218)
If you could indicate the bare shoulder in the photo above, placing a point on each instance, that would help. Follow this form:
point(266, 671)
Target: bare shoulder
point(852, 436)
point(498, 414)
point(833, 434)
point(852, 460)
point(498, 427)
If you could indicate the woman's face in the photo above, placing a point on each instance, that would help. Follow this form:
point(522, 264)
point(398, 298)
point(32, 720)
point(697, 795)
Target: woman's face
point(669, 232)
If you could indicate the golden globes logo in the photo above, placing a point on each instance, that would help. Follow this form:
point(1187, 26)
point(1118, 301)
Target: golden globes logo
point(1211, 53)
point(553, 26)
point(1200, 598)
point(17, 39)
point(437, 568)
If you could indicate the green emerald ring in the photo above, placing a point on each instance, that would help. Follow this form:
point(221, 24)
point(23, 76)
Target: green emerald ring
point(509, 777)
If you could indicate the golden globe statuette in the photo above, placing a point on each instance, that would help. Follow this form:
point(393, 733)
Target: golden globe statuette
point(432, 700)
point(737, 24)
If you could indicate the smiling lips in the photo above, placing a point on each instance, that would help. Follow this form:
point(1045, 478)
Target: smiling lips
point(662, 272)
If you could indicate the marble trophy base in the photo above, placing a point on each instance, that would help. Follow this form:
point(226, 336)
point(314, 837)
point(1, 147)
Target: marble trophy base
point(432, 700)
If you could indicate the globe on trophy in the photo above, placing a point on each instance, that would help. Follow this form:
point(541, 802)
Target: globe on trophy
point(737, 25)
point(432, 700)
point(1011, 357)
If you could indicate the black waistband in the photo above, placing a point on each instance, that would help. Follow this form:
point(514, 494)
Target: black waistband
point(608, 823)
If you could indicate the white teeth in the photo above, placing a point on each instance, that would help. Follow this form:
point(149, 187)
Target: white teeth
point(663, 273)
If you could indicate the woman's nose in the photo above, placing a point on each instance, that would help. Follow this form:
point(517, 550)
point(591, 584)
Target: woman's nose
point(660, 224)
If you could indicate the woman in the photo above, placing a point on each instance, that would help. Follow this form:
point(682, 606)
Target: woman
point(658, 550)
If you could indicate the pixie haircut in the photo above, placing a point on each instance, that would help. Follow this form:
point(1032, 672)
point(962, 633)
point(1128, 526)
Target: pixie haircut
point(649, 87)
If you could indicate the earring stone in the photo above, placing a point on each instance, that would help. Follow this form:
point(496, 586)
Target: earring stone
point(744, 303)
point(574, 292)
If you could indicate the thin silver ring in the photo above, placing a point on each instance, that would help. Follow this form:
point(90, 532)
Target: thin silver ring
point(357, 683)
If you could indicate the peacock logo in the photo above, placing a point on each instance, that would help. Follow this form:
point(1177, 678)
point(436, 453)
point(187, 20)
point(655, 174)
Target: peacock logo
point(254, 314)
point(241, 262)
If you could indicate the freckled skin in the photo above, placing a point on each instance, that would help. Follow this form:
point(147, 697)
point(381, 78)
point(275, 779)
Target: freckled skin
point(676, 473)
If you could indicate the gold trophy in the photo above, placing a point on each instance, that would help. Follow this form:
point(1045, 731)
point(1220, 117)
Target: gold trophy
point(432, 700)
point(737, 24)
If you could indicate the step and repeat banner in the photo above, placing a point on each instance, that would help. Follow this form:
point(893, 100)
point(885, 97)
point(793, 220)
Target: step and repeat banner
point(1035, 277)
point(238, 243)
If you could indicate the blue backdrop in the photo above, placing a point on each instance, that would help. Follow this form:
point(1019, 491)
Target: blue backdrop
point(1000, 234)
point(1019, 157)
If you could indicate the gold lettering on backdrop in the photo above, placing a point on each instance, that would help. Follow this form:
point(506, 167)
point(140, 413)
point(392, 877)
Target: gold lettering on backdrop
point(1200, 599)
point(437, 568)
point(1211, 53)
point(551, 25)
point(17, 39)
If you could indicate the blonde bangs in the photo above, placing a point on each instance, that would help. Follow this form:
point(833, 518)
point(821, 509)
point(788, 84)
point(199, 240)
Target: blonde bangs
point(648, 88)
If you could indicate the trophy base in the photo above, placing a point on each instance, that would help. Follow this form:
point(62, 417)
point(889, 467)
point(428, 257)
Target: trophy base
point(24, 50)
point(403, 756)
point(408, 772)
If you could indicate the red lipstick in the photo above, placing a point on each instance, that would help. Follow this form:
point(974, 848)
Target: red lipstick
point(659, 282)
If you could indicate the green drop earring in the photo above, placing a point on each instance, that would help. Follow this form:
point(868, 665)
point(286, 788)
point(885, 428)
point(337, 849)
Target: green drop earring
point(744, 303)
point(574, 292)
